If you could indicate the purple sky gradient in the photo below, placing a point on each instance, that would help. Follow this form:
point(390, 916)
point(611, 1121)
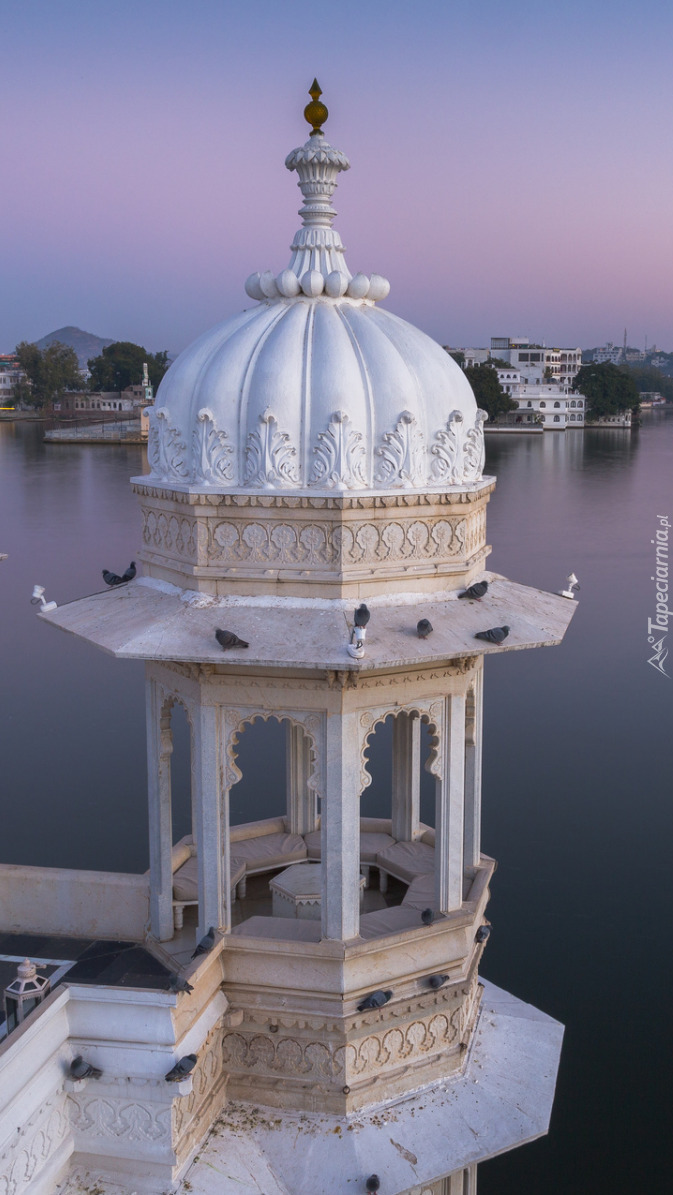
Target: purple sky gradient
point(512, 169)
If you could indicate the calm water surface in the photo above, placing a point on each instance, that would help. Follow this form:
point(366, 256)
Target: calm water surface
point(578, 769)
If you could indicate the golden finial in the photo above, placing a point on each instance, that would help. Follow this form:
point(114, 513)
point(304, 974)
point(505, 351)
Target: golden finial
point(315, 113)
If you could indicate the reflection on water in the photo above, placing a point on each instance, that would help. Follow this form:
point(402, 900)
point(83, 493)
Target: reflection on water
point(576, 771)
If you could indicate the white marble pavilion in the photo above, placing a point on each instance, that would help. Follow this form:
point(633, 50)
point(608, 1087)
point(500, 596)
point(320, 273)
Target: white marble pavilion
point(310, 454)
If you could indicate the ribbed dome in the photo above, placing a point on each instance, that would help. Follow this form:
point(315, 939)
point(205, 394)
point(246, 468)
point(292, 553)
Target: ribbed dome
point(316, 387)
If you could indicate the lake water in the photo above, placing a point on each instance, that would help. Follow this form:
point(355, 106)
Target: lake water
point(578, 800)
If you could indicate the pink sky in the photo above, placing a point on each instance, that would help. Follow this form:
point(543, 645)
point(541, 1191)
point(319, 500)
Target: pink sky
point(511, 163)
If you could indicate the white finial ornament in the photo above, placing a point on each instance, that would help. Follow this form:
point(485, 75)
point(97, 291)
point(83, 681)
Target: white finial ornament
point(318, 264)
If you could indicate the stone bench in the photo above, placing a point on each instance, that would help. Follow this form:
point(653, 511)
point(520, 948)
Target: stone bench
point(186, 878)
point(407, 860)
point(264, 846)
point(375, 836)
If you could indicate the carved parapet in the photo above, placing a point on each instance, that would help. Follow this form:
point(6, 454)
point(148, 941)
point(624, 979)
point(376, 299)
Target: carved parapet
point(329, 546)
point(316, 1063)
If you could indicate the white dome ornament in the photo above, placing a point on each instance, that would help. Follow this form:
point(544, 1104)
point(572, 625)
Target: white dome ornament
point(315, 387)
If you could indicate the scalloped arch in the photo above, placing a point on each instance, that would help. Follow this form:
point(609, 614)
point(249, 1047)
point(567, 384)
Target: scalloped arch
point(310, 722)
point(432, 713)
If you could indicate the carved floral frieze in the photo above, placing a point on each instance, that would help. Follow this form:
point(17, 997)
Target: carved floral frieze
point(325, 1057)
point(338, 457)
point(320, 543)
point(324, 543)
point(118, 1118)
point(164, 532)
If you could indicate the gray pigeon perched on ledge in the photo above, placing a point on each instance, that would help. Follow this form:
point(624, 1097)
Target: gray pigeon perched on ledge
point(437, 981)
point(227, 639)
point(424, 628)
point(375, 1000)
point(207, 942)
point(362, 615)
point(178, 984)
point(476, 591)
point(112, 579)
point(495, 635)
point(427, 916)
point(79, 1069)
point(181, 1069)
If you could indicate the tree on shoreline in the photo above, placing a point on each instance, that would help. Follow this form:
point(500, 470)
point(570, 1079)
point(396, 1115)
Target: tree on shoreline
point(49, 373)
point(607, 389)
point(488, 392)
point(121, 365)
point(650, 379)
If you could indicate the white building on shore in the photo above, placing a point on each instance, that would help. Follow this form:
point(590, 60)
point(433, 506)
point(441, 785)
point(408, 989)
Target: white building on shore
point(552, 405)
point(536, 362)
point(10, 373)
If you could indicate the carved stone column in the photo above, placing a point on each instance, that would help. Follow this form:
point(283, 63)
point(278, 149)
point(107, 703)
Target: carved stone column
point(159, 751)
point(462, 1182)
point(406, 776)
point(449, 807)
point(210, 804)
point(340, 827)
point(473, 741)
point(301, 800)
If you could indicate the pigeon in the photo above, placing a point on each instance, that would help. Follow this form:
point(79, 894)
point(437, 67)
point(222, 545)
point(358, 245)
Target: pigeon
point(177, 984)
point(79, 1069)
point(228, 639)
point(495, 635)
point(207, 942)
point(375, 1000)
point(362, 615)
point(181, 1069)
point(373, 1183)
point(427, 916)
point(112, 579)
point(476, 591)
point(437, 981)
point(424, 628)
point(483, 933)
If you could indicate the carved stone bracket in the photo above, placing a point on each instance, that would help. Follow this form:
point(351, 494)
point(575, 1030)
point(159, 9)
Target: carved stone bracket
point(402, 454)
point(340, 456)
point(212, 453)
point(166, 450)
point(459, 451)
point(270, 455)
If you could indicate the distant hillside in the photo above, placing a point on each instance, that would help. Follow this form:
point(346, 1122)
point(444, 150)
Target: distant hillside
point(85, 344)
